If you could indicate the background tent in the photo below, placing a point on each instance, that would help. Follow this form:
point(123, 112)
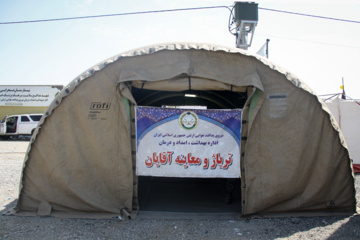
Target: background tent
point(81, 159)
point(347, 115)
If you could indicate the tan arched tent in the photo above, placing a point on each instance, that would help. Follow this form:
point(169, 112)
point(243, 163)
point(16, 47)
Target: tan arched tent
point(81, 159)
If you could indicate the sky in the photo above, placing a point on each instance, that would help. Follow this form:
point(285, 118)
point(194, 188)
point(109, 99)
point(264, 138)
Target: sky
point(320, 52)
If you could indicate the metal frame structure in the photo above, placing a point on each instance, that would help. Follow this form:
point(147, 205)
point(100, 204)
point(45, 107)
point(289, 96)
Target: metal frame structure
point(242, 23)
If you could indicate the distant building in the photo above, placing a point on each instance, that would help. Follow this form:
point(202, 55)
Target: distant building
point(21, 99)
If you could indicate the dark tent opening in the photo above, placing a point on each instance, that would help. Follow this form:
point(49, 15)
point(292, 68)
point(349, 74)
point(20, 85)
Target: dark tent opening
point(211, 99)
point(214, 196)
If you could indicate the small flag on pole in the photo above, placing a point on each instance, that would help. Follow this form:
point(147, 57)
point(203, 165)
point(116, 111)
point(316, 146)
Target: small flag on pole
point(264, 50)
point(343, 96)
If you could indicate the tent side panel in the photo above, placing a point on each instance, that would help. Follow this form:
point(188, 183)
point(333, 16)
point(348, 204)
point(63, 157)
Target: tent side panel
point(294, 160)
point(81, 160)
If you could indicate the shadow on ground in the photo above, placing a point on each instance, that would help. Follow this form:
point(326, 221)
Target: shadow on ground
point(7, 208)
point(349, 230)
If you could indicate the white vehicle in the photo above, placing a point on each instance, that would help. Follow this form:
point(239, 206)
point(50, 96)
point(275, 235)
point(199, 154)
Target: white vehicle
point(16, 125)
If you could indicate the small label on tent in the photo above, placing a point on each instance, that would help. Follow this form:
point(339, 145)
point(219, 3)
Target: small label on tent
point(278, 105)
point(277, 96)
point(96, 110)
point(100, 106)
point(188, 143)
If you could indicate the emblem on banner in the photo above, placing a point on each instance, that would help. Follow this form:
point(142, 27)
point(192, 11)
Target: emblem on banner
point(188, 120)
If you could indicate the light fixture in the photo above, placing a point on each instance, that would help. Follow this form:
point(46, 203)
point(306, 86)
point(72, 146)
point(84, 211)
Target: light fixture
point(242, 24)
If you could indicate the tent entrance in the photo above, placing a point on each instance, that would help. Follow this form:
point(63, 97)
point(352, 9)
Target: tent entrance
point(173, 197)
point(210, 99)
point(187, 195)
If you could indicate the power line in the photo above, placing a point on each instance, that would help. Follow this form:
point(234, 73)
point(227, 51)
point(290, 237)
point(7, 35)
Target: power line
point(309, 15)
point(114, 15)
point(309, 41)
point(173, 10)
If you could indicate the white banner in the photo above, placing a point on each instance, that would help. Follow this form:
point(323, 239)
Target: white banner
point(188, 143)
point(29, 96)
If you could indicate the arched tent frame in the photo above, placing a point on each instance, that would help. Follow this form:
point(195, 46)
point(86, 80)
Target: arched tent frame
point(294, 158)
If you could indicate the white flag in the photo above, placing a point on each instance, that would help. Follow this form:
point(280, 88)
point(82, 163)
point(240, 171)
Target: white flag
point(262, 50)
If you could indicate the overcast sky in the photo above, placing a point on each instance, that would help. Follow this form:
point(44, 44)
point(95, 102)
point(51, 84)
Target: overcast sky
point(320, 52)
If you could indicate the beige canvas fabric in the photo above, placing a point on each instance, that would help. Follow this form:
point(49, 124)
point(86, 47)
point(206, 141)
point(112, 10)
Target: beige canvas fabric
point(81, 163)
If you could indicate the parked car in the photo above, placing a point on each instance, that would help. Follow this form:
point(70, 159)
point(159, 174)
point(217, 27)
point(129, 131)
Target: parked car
point(15, 125)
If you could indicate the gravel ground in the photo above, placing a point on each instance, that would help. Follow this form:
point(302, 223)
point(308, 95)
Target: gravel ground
point(11, 227)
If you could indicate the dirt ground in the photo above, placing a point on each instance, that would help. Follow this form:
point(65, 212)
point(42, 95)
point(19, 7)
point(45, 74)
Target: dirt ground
point(12, 227)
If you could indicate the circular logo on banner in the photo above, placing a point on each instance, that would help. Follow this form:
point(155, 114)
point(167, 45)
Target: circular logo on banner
point(188, 120)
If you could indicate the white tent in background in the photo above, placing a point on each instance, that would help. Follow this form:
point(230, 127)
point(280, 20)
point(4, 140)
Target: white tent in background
point(347, 114)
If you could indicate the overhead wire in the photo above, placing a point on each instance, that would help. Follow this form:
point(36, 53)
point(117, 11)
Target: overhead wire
point(114, 15)
point(307, 41)
point(230, 8)
point(309, 15)
point(172, 10)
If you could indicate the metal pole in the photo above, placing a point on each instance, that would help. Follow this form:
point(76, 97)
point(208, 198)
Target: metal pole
point(343, 90)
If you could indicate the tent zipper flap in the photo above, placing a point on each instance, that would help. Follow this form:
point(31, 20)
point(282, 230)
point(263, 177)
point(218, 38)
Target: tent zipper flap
point(250, 110)
point(128, 107)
